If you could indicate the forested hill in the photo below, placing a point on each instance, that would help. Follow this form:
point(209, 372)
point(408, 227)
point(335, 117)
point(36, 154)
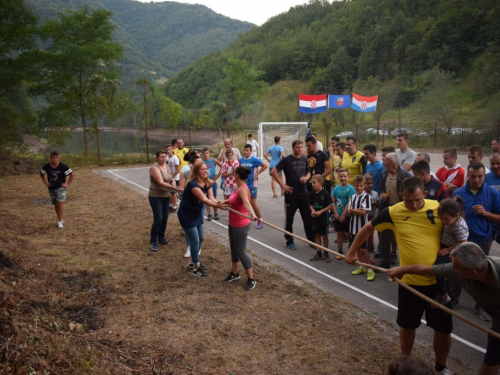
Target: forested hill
point(157, 37)
point(338, 43)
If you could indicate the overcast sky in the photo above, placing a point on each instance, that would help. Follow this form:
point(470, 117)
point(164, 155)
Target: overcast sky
point(254, 11)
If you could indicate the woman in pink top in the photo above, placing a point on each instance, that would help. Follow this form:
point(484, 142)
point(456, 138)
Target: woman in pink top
point(239, 227)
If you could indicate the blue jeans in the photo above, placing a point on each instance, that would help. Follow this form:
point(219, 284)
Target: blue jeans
point(160, 207)
point(195, 237)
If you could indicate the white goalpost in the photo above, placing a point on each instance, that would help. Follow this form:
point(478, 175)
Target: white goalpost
point(288, 131)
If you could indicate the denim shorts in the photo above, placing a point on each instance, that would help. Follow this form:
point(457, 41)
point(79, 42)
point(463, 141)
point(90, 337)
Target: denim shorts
point(253, 192)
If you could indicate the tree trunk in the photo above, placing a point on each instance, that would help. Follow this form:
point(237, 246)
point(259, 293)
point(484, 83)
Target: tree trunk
point(84, 126)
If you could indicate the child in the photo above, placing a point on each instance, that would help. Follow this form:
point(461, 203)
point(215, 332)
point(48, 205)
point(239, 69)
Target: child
point(359, 207)
point(227, 171)
point(212, 175)
point(320, 204)
point(341, 196)
point(174, 165)
point(455, 232)
point(369, 182)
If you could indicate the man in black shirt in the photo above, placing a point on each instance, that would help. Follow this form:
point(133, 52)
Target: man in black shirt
point(297, 174)
point(53, 175)
point(318, 162)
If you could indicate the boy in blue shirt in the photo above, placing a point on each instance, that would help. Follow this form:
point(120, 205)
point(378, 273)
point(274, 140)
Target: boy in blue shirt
point(253, 163)
point(341, 196)
point(213, 175)
point(277, 153)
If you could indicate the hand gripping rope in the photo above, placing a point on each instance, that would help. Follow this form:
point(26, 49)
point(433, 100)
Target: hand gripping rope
point(395, 280)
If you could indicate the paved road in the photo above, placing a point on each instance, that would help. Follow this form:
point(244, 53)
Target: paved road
point(378, 297)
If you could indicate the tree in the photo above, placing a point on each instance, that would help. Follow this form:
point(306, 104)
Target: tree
point(81, 46)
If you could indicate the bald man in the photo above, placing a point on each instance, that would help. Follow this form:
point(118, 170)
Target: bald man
point(228, 144)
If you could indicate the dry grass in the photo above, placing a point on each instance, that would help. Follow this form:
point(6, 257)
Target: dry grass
point(92, 299)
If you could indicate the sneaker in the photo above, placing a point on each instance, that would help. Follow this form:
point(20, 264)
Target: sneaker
point(203, 266)
point(370, 275)
point(394, 258)
point(200, 273)
point(483, 315)
point(455, 302)
point(216, 216)
point(164, 241)
point(60, 224)
point(275, 196)
point(445, 371)
point(154, 246)
point(291, 246)
point(259, 225)
point(188, 253)
point(209, 217)
point(326, 257)
point(251, 284)
point(232, 277)
point(340, 257)
point(443, 299)
point(316, 257)
point(358, 271)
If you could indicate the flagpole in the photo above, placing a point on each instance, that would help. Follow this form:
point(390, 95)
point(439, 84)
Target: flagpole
point(298, 110)
point(326, 118)
point(378, 116)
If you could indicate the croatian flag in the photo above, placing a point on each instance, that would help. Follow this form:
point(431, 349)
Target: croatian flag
point(339, 101)
point(312, 103)
point(364, 103)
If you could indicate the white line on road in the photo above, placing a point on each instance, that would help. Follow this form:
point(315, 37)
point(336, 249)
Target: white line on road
point(468, 343)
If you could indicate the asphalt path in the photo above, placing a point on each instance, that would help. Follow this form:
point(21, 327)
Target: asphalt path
point(378, 297)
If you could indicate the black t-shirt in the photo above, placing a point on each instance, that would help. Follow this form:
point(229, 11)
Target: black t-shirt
point(316, 162)
point(56, 176)
point(318, 201)
point(294, 168)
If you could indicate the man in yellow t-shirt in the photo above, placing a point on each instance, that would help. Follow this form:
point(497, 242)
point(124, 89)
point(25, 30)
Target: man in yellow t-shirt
point(417, 227)
point(353, 160)
point(180, 151)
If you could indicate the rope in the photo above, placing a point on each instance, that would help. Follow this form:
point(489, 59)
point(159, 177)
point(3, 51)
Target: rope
point(395, 280)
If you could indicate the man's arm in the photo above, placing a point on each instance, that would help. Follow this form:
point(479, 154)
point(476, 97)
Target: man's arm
point(328, 168)
point(44, 180)
point(415, 269)
point(71, 178)
point(266, 154)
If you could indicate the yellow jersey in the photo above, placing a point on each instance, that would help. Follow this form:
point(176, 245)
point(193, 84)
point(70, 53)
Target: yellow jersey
point(355, 164)
point(180, 154)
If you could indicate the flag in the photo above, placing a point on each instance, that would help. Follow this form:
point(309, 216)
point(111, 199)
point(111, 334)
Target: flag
point(364, 103)
point(339, 101)
point(312, 103)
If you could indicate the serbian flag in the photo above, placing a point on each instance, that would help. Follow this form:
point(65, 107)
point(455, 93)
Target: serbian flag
point(312, 103)
point(339, 101)
point(364, 103)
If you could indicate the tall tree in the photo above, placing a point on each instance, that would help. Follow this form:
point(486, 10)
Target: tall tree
point(81, 46)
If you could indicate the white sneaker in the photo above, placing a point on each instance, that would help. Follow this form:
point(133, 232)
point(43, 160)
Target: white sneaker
point(60, 224)
point(188, 253)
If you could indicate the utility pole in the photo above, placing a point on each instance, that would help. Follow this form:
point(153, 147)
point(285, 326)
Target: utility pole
point(146, 120)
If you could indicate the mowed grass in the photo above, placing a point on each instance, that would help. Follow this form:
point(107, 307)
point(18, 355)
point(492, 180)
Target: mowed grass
point(93, 299)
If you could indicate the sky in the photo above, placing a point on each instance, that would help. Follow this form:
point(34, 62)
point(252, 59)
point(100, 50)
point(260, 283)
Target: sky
point(254, 11)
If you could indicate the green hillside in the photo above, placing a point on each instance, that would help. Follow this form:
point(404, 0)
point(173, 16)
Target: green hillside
point(159, 39)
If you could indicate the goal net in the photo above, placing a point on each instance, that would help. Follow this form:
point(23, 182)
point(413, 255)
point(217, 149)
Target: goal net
point(288, 131)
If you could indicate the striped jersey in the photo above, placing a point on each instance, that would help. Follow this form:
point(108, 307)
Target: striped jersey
point(359, 201)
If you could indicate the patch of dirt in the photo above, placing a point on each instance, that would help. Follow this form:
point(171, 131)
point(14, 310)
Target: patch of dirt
point(91, 298)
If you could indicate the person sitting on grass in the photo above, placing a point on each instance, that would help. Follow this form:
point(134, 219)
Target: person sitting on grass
point(340, 197)
point(359, 206)
point(320, 203)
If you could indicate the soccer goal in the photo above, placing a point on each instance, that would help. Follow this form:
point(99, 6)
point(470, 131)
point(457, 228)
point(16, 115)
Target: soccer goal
point(288, 131)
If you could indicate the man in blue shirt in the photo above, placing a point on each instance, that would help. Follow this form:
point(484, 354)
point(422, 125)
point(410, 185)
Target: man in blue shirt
point(277, 153)
point(374, 167)
point(253, 163)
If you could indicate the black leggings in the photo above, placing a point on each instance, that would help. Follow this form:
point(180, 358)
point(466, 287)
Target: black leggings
point(238, 243)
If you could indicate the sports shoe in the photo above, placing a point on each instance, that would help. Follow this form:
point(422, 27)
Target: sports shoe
point(326, 257)
point(340, 257)
point(358, 271)
point(164, 241)
point(188, 253)
point(370, 275)
point(216, 216)
point(251, 284)
point(455, 302)
point(443, 299)
point(200, 273)
point(316, 257)
point(209, 217)
point(483, 315)
point(60, 224)
point(232, 277)
point(275, 196)
point(154, 246)
point(259, 225)
point(394, 258)
point(445, 371)
point(291, 246)
point(203, 266)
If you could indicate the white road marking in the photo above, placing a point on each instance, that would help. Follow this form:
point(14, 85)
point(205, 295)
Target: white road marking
point(468, 343)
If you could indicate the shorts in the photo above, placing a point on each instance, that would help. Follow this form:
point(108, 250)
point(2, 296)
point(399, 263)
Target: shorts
point(280, 173)
point(364, 245)
point(229, 190)
point(342, 227)
point(214, 189)
point(58, 195)
point(321, 229)
point(492, 356)
point(253, 192)
point(412, 307)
